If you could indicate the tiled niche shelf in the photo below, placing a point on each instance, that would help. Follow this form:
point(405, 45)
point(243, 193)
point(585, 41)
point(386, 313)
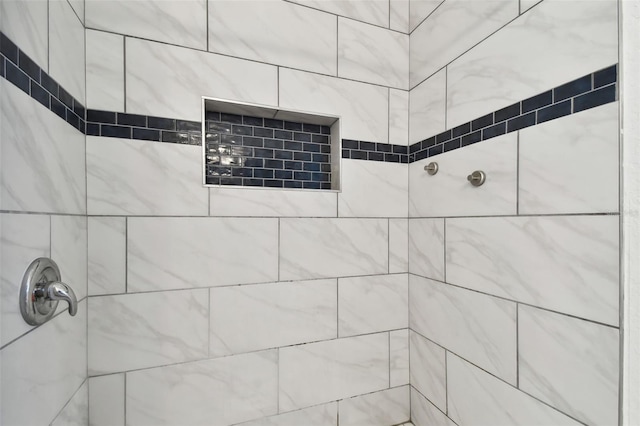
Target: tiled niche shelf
point(257, 146)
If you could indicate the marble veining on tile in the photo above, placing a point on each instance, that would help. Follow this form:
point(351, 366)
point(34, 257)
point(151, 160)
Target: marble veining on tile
point(423, 412)
point(373, 11)
point(426, 248)
point(428, 369)
point(76, 412)
point(399, 353)
point(105, 71)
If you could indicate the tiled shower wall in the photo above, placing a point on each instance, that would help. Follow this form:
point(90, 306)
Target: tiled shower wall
point(43, 370)
point(514, 285)
point(227, 305)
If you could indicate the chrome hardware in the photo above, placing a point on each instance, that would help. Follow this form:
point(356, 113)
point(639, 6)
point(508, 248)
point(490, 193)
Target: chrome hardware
point(431, 168)
point(477, 178)
point(41, 290)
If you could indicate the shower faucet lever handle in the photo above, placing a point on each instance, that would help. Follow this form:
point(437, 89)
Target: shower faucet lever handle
point(60, 291)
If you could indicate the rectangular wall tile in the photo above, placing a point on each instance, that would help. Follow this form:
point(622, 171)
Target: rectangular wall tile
point(399, 15)
point(476, 397)
point(426, 248)
point(107, 255)
point(398, 117)
point(478, 327)
point(278, 33)
point(171, 253)
point(567, 264)
point(557, 183)
point(371, 304)
point(320, 415)
point(578, 370)
point(327, 371)
point(428, 369)
point(26, 24)
point(373, 11)
point(105, 71)
point(133, 331)
point(419, 10)
point(427, 108)
point(399, 353)
point(106, 400)
point(253, 317)
point(219, 391)
point(69, 251)
point(76, 412)
point(318, 248)
point(66, 48)
point(424, 413)
point(527, 4)
point(133, 177)
point(398, 245)
point(388, 407)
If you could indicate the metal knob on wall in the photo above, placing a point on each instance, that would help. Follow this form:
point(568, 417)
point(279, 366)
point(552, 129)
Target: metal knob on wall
point(431, 168)
point(477, 178)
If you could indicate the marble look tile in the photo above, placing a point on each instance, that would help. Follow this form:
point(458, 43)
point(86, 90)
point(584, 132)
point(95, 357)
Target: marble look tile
point(566, 264)
point(424, 413)
point(78, 8)
point(42, 167)
point(452, 29)
point(26, 24)
point(327, 371)
point(106, 400)
point(372, 304)
point(76, 412)
point(51, 383)
point(320, 415)
point(133, 177)
point(478, 398)
point(507, 67)
point(181, 22)
point(323, 248)
point(215, 392)
point(527, 4)
point(24, 238)
point(358, 199)
point(105, 71)
point(456, 196)
point(398, 245)
point(387, 407)
point(372, 54)
point(577, 372)
point(253, 317)
point(399, 15)
point(278, 33)
point(171, 253)
point(419, 10)
point(428, 369)
point(270, 202)
point(553, 183)
point(399, 353)
point(398, 117)
point(154, 88)
point(426, 248)
point(66, 48)
point(133, 331)
point(479, 327)
point(427, 108)
point(107, 255)
point(363, 107)
point(371, 11)
point(69, 251)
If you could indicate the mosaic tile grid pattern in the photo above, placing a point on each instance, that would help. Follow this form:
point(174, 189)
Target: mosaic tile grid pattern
point(362, 150)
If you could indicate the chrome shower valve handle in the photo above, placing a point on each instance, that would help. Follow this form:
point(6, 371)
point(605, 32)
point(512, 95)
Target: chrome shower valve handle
point(61, 291)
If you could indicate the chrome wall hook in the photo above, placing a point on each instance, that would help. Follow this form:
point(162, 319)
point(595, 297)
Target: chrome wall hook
point(477, 178)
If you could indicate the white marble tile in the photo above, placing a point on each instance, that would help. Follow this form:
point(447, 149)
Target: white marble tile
point(327, 371)
point(372, 11)
point(105, 71)
point(372, 304)
point(171, 253)
point(106, 400)
point(527, 4)
point(372, 54)
point(556, 183)
point(26, 24)
point(181, 22)
point(419, 10)
point(398, 117)
point(24, 238)
point(454, 194)
point(399, 353)
point(398, 245)
point(384, 408)
point(51, 383)
point(427, 108)
point(428, 369)
point(424, 413)
point(362, 107)
point(358, 199)
point(320, 415)
point(274, 32)
point(399, 15)
point(576, 37)
point(133, 331)
point(577, 371)
point(270, 202)
point(66, 48)
point(319, 248)
point(78, 8)
point(478, 327)
point(133, 177)
point(452, 29)
point(478, 398)
point(155, 87)
point(426, 248)
point(107, 255)
point(253, 317)
point(43, 166)
point(76, 412)
point(215, 392)
point(69, 251)
point(568, 264)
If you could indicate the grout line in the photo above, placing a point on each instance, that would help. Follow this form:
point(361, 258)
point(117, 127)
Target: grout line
point(430, 402)
point(446, 383)
point(424, 19)
point(518, 172)
point(444, 239)
point(125, 398)
point(518, 345)
point(209, 324)
point(388, 246)
point(207, 17)
point(126, 255)
point(279, 249)
point(124, 72)
point(389, 353)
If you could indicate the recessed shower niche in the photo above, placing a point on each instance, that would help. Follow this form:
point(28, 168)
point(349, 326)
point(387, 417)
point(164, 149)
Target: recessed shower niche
point(262, 147)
